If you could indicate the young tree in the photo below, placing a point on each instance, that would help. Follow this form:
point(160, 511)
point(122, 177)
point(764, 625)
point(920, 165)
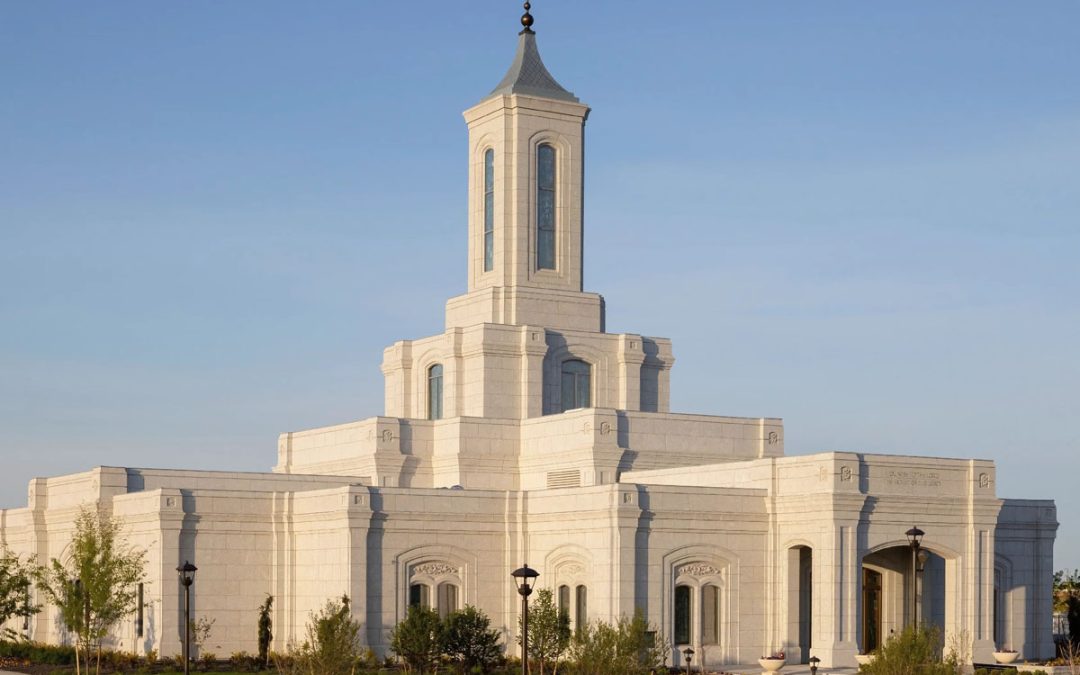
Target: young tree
point(469, 640)
point(95, 585)
point(334, 637)
point(549, 631)
point(418, 639)
point(15, 581)
point(1067, 599)
point(266, 634)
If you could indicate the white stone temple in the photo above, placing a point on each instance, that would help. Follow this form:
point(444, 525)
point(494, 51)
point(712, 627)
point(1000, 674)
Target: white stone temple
point(526, 433)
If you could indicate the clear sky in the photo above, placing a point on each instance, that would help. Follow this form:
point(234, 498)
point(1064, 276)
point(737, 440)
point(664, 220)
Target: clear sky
point(861, 217)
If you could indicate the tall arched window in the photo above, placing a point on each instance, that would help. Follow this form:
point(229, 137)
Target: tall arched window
point(545, 207)
point(435, 392)
point(581, 615)
point(681, 632)
point(489, 210)
point(576, 385)
point(419, 595)
point(710, 615)
point(447, 601)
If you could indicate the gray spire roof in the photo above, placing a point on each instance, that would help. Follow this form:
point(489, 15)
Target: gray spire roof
point(527, 74)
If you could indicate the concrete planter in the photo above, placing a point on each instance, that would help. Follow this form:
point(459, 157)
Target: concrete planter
point(771, 665)
point(864, 659)
point(1005, 657)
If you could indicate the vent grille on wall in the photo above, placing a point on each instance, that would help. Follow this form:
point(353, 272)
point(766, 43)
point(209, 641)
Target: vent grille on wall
point(564, 479)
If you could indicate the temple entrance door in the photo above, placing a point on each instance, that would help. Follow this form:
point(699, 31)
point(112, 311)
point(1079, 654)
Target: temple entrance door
point(871, 602)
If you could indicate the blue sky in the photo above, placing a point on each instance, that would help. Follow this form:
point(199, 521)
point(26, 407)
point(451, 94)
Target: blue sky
point(861, 217)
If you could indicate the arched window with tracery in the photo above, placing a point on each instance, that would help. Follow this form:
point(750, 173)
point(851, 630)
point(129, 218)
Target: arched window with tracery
point(698, 604)
point(435, 585)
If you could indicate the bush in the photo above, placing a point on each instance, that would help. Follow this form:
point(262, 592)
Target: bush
point(418, 639)
point(469, 640)
point(914, 651)
point(53, 655)
point(630, 646)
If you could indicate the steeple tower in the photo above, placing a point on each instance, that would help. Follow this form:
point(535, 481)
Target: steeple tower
point(526, 169)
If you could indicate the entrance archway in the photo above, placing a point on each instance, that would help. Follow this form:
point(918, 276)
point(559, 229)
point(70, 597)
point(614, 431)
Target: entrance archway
point(887, 587)
point(800, 584)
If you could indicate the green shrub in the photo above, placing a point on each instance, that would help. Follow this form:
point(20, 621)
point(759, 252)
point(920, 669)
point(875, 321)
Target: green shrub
point(916, 650)
point(469, 640)
point(418, 639)
point(630, 646)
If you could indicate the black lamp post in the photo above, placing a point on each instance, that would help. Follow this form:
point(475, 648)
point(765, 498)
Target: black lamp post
point(688, 654)
point(525, 576)
point(813, 664)
point(914, 537)
point(187, 577)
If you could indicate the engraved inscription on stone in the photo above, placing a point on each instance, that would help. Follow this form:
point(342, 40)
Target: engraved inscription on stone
point(900, 478)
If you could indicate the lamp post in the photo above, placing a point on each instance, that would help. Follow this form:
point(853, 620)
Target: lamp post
point(525, 577)
point(813, 664)
point(914, 537)
point(688, 654)
point(187, 577)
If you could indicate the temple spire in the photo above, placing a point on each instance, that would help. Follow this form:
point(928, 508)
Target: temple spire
point(527, 74)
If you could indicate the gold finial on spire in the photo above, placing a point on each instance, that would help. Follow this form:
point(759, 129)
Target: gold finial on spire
point(527, 19)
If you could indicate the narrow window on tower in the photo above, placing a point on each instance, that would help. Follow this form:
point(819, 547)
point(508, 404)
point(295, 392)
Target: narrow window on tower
point(435, 397)
point(545, 207)
point(489, 210)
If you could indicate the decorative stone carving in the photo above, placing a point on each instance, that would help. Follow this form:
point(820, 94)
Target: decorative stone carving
point(435, 569)
point(387, 435)
point(984, 480)
point(845, 474)
point(697, 570)
point(823, 474)
point(773, 438)
point(572, 570)
point(605, 428)
point(587, 427)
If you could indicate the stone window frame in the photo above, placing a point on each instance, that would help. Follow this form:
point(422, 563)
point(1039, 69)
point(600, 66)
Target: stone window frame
point(600, 375)
point(563, 153)
point(487, 212)
point(432, 566)
point(698, 566)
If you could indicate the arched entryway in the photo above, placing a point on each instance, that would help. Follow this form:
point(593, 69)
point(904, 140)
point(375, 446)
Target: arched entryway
point(897, 591)
point(800, 584)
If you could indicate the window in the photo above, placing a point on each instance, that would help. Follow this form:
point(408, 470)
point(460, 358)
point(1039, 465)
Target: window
point(419, 595)
point(489, 210)
point(682, 615)
point(581, 598)
point(139, 612)
point(447, 599)
point(545, 207)
point(434, 378)
point(710, 615)
point(576, 385)
point(564, 600)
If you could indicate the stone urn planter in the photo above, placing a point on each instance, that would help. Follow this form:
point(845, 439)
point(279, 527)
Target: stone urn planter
point(864, 659)
point(1005, 657)
point(771, 665)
